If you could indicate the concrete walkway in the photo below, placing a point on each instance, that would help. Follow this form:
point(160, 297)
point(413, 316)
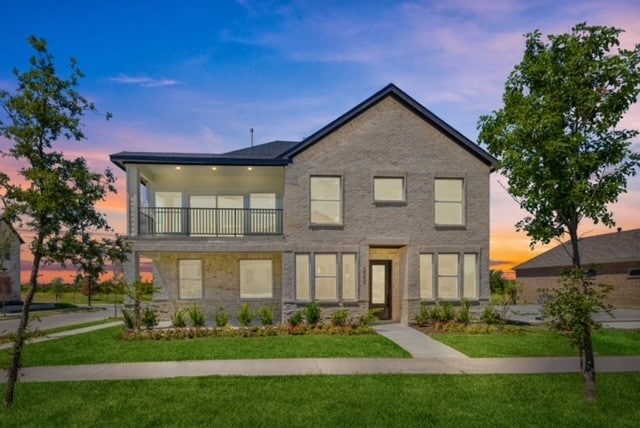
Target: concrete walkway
point(431, 357)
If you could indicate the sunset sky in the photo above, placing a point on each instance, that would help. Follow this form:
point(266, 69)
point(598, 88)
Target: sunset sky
point(196, 76)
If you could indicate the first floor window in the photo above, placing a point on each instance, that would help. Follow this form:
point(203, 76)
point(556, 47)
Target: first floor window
point(190, 279)
point(426, 276)
point(256, 279)
point(470, 279)
point(349, 283)
point(442, 274)
point(326, 277)
point(448, 276)
point(302, 277)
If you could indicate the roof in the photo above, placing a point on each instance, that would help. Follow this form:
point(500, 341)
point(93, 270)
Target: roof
point(280, 153)
point(5, 221)
point(393, 91)
point(617, 247)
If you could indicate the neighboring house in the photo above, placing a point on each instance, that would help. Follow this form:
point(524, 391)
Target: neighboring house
point(613, 258)
point(10, 243)
point(385, 207)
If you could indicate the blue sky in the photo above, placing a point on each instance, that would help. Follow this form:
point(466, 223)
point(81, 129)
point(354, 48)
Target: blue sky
point(197, 75)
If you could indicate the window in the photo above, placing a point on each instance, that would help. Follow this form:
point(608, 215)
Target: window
point(201, 215)
point(326, 277)
point(349, 283)
point(634, 273)
point(470, 278)
point(168, 212)
point(256, 279)
point(230, 215)
point(263, 214)
point(190, 279)
point(388, 189)
point(302, 277)
point(448, 276)
point(426, 276)
point(449, 201)
point(326, 200)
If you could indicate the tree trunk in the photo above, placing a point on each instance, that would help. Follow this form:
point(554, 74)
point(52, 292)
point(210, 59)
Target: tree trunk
point(589, 370)
point(21, 334)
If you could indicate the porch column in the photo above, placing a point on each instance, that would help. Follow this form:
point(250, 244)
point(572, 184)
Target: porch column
point(133, 198)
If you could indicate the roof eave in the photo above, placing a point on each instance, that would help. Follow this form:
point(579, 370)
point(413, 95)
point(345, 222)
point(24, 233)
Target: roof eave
point(122, 158)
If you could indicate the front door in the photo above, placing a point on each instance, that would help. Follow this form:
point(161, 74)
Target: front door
point(380, 287)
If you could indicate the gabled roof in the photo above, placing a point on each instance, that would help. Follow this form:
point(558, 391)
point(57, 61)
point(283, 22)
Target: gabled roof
point(280, 153)
point(10, 226)
point(614, 247)
point(393, 91)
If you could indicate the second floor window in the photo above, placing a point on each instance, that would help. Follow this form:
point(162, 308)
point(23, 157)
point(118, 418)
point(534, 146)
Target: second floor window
point(326, 200)
point(388, 189)
point(449, 203)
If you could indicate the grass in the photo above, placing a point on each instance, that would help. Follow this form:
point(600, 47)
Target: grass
point(77, 298)
point(539, 342)
point(392, 400)
point(39, 333)
point(105, 346)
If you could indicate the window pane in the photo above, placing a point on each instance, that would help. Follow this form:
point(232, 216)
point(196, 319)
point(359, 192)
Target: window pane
point(448, 190)
point(325, 212)
point(169, 212)
point(256, 279)
point(448, 264)
point(302, 277)
point(349, 283)
point(448, 213)
point(263, 220)
point(378, 284)
point(426, 276)
point(325, 188)
point(388, 189)
point(448, 287)
point(190, 279)
point(231, 218)
point(326, 289)
point(326, 265)
point(201, 215)
point(470, 285)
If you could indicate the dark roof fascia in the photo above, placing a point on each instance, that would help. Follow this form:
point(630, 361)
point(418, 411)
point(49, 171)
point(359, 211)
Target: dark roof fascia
point(403, 97)
point(122, 158)
point(5, 221)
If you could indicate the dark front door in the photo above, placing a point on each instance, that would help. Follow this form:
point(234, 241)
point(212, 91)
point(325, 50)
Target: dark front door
point(380, 287)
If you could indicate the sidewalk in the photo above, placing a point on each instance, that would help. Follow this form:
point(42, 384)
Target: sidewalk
point(431, 357)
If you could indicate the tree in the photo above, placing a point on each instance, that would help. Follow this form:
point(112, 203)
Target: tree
point(557, 136)
point(497, 283)
point(58, 195)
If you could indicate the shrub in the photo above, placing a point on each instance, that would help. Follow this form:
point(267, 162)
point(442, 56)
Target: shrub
point(245, 316)
point(149, 317)
point(463, 316)
point(490, 315)
point(340, 317)
point(313, 313)
point(296, 319)
point(266, 316)
point(222, 318)
point(128, 319)
point(370, 317)
point(448, 313)
point(179, 318)
point(425, 316)
point(197, 316)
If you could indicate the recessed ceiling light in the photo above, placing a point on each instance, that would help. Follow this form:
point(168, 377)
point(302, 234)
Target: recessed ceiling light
point(178, 168)
point(213, 168)
point(250, 168)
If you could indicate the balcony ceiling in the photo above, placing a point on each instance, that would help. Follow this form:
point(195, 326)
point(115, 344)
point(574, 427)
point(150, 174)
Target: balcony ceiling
point(190, 172)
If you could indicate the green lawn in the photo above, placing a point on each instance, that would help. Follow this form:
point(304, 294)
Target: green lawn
point(398, 400)
point(539, 342)
point(105, 346)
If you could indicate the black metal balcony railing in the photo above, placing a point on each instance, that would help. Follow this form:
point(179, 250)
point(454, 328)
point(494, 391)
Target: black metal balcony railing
point(209, 221)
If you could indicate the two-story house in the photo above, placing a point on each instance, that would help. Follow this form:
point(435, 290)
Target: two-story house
point(385, 207)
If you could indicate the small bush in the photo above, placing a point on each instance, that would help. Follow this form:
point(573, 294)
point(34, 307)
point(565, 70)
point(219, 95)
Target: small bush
point(197, 316)
point(340, 317)
point(245, 316)
point(222, 318)
point(149, 317)
point(128, 319)
point(313, 313)
point(296, 319)
point(448, 313)
point(370, 317)
point(490, 315)
point(179, 318)
point(425, 316)
point(266, 316)
point(463, 315)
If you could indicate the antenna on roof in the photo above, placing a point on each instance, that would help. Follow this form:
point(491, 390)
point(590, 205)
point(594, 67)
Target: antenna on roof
point(251, 130)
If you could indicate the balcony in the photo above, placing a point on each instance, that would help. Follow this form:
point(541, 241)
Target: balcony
point(209, 221)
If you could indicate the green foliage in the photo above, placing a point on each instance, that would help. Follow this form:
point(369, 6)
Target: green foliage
point(222, 318)
point(313, 313)
point(245, 316)
point(265, 315)
point(370, 317)
point(490, 315)
point(296, 319)
point(443, 314)
point(497, 282)
point(196, 316)
point(557, 136)
point(463, 315)
point(129, 320)
point(149, 317)
point(179, 318)
point(340, 317)
point(571, 307)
